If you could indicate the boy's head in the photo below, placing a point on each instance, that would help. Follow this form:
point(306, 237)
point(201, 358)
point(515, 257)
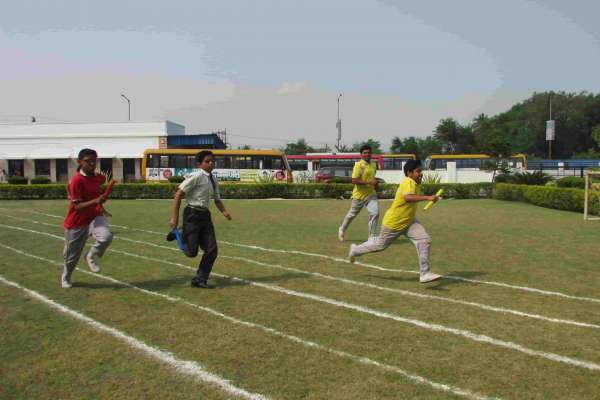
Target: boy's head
point(413, 170)
point(87, 160)
point(205, 160)
point(365, 152)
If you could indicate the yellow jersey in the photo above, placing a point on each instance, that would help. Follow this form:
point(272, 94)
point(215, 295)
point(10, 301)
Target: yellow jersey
point(365, 172)
point(401, 214)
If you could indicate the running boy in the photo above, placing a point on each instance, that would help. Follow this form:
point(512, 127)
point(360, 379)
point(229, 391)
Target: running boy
point(198, 230)
point(85, 217)
point(400, 220)
point(363, 178)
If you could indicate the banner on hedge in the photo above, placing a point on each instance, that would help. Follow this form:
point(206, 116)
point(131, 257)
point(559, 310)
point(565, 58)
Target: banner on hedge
point(233, 175)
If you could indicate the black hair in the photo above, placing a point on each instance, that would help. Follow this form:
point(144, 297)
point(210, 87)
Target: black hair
point(411, 165)
point(365, 147)
point(86, 152)
point(202, 155)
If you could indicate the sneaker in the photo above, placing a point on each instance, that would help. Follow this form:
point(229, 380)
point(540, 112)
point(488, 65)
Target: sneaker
point(429, 277)
point(202, 284)
point(340, 234)
point(65, 283)
point(351, 255)
point(92, 262)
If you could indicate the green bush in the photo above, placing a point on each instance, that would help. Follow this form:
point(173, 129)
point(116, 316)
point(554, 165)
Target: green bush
point(176, 179)
point(17, 180)
point(524, 178)
point(569, 199)
point(571, 182)
point(40, 180)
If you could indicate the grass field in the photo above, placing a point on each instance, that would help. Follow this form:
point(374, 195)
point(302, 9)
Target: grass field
point(519, 316)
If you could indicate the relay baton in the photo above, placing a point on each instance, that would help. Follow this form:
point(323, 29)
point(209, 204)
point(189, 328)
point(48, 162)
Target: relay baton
point(429, 204)
point(109, 187)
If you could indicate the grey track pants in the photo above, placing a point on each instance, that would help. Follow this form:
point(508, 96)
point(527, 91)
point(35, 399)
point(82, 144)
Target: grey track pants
point(415, 232)
point(76, 238)
point(372, 208)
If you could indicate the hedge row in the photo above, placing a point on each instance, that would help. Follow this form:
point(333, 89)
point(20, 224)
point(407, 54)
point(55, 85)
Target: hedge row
point(571, 182)
point(244, 191)
point(569, 199)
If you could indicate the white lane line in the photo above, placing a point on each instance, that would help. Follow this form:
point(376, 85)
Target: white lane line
point(369, 285)
point(369, 311)
point(359, 359)
point(185, 367)
point(379, 268)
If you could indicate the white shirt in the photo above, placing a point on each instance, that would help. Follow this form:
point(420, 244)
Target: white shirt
point(198, 189)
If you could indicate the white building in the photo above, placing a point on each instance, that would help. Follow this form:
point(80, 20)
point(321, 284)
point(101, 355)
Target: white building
point(50, 149)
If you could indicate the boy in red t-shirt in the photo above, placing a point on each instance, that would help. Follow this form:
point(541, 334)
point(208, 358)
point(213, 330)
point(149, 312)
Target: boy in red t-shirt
point(85, 217)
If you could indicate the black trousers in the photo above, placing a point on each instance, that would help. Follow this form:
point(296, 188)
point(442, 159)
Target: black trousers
point(199, 232)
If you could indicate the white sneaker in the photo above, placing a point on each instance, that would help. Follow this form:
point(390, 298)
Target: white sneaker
point(64, 282)
point(92, 262)
point(340, 234)
point(351, 255)
point(429, 277)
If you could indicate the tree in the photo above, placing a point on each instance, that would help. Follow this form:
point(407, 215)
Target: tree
point(421, 147)
point(448, 132)
point(298, 148)
point(596, 135)
point(244, 147)
point(375, 146)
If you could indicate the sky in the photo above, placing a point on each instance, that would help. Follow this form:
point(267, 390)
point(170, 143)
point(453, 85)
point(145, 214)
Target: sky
point(270, 71)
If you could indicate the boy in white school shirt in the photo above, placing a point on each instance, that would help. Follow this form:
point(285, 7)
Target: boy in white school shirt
point(198, 230)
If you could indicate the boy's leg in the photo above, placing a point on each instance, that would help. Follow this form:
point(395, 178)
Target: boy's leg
point(191, 232)
point(208, 243)
point(74, 243)
point(355, 208)
point(381, 242)
point(373, 210)
point(417, 234)
point(101, 232)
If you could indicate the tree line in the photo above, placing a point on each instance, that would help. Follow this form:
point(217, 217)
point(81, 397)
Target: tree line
point(521, 129)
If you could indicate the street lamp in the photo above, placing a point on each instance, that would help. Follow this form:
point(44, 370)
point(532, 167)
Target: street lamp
point(128, 106)
point(339, 123)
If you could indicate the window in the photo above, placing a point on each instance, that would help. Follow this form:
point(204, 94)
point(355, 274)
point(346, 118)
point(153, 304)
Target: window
point(178, 161)
point(128, 169)
point(106, 166)
point(153, 161)
point(393, 163)
point(223, 162)
point(16, 168)
point(298, 165)
point(164, 162)
point(42, 167)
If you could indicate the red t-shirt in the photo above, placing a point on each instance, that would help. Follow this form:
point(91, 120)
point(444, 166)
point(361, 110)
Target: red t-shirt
point(83, 188)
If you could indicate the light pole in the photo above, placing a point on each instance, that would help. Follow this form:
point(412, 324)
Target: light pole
point(339, 123)
point(128, 106)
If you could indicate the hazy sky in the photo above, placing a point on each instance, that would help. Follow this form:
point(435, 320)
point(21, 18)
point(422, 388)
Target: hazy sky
point(270, 71)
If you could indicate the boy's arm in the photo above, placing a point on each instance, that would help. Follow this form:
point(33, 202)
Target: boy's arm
point(222, 208)
point(180, 194)
point(414, 198)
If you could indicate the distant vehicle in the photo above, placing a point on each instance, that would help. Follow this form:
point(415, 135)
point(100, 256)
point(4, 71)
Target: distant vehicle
point(472, 161)
point(314, 161)
point(337, 175)
point(230, 165)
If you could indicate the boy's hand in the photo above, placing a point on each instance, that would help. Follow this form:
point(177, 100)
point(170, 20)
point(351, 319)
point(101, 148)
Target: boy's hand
point(100, 199)
point(227, 215)
point(434, 198)
point(173, 222)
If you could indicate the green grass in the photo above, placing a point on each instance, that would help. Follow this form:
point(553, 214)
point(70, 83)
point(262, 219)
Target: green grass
point(45, 354)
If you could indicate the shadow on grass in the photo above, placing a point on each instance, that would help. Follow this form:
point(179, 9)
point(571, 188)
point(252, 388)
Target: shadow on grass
point(441, 284)
point(229, 282)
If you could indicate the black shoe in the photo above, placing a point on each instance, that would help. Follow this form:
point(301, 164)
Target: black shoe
point(202, 285)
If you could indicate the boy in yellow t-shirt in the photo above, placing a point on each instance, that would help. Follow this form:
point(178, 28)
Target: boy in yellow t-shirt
point(400, 220)
point(364, 194)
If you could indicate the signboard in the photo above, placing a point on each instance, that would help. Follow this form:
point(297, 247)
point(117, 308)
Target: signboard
point(232, 175)
point(550, 132)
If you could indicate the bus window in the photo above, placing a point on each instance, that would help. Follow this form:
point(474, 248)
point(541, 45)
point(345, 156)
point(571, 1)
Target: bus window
point(178, 161)
point(191, 161)
point(393, 163)
point(298, 165)
point(223, 162)
point(277, 163)
point(153, 161)
point(164, 161)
